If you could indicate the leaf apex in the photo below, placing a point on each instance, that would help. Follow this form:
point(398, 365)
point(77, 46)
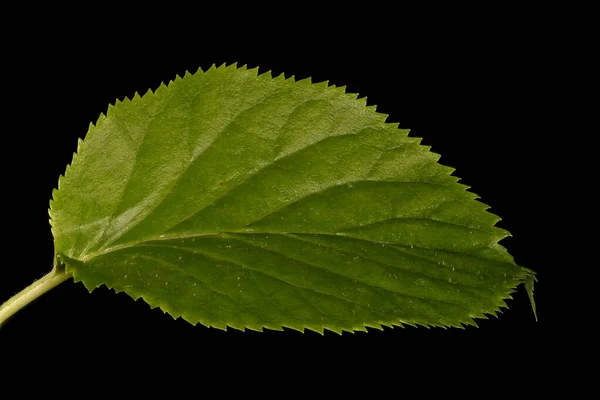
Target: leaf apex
point(529, 287)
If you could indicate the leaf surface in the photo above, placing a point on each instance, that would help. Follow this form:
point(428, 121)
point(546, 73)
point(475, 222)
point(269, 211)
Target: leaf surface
point(236, 199)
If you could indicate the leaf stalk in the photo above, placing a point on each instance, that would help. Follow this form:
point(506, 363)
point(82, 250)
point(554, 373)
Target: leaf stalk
point(49, 281)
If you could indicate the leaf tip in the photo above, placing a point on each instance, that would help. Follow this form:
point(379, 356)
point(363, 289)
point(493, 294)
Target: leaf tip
point(529, 287)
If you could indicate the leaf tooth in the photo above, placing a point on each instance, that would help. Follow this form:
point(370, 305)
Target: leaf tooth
point(323, 85)
point(435, 156)
point(399, 324)
point(355, 329)
point(118, 103)
point(293, 327)
point(362, 101)
point(352, 96)
point(443, 324)
point(199, 71)
point(373, 325)
point(268, 75)
point(178, 78)
point(110, 110)
point(100, 120)
point(60, 181)
point(305, 81)
point(127, 100)
point(478, 315)
point(79, 144)
point(280, 77)
point(348, 330)
point(238, 326)
point(136, 97)
point(455, 324)
point(470, 322)
point(254, 328)
point(409, 323)
point(161, 88)
point(147, 95)
point(223, 66)
point(333, 329)
point(316, 328)
point(278, 328)
point(252, 71)
point(339, 89)
point(189, 318)
point(503, 304)
point(386, 325)
point(360, 328)
point(423, 324)
point(383, 117)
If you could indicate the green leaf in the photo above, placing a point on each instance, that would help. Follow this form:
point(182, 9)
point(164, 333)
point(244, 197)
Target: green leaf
point(235, 199)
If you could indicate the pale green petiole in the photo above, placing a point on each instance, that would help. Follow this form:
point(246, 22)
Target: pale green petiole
point(54, 278)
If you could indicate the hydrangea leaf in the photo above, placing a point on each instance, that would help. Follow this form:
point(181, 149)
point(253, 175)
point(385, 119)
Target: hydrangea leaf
point(230, 198)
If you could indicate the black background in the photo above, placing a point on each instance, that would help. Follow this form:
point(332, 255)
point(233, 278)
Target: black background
point(470, 92)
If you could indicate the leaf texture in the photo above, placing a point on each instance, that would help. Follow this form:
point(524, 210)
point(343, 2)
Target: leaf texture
point(235, 199)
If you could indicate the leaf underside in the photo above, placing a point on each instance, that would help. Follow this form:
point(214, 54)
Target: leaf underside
point(235, 199)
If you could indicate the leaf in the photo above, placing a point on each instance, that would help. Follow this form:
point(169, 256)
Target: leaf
point(235, 199)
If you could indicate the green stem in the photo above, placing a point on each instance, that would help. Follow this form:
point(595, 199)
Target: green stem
point(32, 292)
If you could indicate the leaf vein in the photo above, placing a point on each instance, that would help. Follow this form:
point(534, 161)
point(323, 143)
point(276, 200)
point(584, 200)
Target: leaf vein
point(416, 219)
point(257, 312)
point(189, 165)
point(395, 267)
point(349, 278)
point(252, 175)
point(322, 189)
point(174, 267)
point(219, 258)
